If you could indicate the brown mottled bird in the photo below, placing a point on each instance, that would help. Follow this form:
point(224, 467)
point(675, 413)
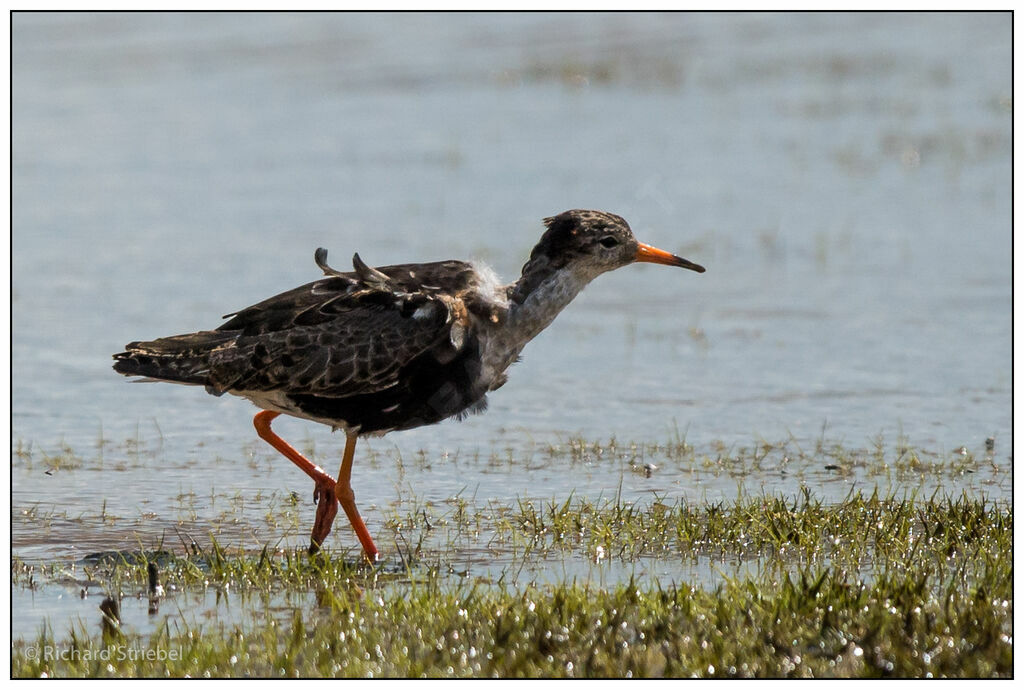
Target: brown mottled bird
point(391, 348)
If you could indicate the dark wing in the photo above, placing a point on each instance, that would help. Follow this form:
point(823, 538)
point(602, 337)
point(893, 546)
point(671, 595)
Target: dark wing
point(278, 312)
point(348, 334)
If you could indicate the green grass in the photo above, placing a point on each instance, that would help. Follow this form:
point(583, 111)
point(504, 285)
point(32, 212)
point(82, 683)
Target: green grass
point(872, 586)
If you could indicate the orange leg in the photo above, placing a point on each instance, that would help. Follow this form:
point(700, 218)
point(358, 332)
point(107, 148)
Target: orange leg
point(323, 494)
point(343, 490)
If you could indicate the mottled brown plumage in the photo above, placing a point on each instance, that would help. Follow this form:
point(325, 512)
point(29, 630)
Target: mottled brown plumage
point(344, 350)
point(379, 349)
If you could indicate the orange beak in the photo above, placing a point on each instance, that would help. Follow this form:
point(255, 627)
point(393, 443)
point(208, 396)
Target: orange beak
point(645, 252)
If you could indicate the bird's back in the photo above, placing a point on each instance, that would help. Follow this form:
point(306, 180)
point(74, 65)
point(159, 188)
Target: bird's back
point(378, 349)
point(323, 299)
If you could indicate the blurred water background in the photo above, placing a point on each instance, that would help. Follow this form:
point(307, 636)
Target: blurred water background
point(845, 179)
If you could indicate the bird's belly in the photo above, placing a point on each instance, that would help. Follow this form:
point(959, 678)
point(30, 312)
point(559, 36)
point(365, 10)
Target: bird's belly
point(374, 413)
point(278, 401)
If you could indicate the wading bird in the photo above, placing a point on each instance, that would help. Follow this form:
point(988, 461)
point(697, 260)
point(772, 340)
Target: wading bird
point(386, 349)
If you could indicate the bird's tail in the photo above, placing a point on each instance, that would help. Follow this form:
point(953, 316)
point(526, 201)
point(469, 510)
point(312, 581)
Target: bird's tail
point(178, 358)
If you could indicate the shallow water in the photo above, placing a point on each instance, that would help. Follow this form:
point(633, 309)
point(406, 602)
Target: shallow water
point(844, 178)
point(73, 603)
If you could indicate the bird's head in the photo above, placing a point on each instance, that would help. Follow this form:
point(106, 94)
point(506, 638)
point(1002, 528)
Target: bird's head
point(593, 242)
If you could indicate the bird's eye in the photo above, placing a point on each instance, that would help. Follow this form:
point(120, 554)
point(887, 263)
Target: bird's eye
point(609, 242)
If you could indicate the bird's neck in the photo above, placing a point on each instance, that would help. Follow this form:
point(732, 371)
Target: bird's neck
point(539, 295)
point(532, 302)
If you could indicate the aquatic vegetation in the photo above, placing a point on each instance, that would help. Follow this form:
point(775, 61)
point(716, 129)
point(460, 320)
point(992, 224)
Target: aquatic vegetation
point(873, 586)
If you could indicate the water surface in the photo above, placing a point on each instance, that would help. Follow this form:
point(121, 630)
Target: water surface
point(844, 178)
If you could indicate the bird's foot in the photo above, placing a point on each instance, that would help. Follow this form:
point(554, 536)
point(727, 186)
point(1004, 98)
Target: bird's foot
point(323, 486)
point(326, 509)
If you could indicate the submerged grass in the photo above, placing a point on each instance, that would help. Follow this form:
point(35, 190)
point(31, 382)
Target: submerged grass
point(871, 586)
